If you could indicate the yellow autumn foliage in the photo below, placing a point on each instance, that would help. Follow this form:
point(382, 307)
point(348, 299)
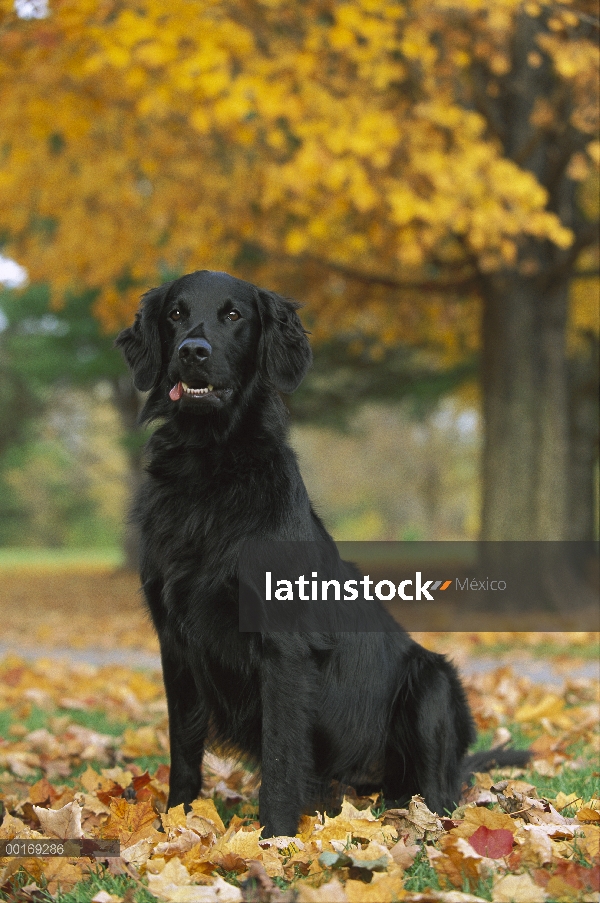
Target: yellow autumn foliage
point(140, 141)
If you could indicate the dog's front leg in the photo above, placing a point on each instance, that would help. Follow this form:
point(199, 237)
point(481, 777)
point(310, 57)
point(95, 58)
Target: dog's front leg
point(288, 686)
point(188, 726)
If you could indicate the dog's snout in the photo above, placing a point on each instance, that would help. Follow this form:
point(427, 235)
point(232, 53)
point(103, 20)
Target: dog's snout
point(194, 351)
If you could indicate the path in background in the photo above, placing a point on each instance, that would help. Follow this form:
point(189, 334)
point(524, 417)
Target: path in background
point(96, 615)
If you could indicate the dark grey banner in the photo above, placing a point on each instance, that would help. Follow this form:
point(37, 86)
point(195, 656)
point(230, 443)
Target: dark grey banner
point(329, 587)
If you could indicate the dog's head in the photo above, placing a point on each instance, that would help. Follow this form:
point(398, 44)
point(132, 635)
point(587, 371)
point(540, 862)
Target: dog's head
point(200, 342)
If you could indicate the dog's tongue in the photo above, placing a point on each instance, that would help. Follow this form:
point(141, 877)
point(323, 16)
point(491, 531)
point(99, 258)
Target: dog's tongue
point(176, 392)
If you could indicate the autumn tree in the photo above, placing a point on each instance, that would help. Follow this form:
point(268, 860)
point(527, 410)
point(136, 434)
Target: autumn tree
point(433, 156)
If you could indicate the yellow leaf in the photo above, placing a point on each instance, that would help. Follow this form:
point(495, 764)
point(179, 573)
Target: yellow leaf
point(204, 818)
point(591, 816)
point(131, 822)
point(476, 816)
point(517, 889)
point(548, 707)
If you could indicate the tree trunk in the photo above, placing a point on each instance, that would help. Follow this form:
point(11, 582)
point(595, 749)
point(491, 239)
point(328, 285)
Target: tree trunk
point(529, 448)
point(524, 383)
point(584, 424)
point(528, 456)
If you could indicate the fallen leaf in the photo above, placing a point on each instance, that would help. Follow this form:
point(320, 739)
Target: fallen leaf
point(517, 889)
point(478, 816)
point(459, 864)
point(174, 818)
point(494, 844)
point(332, 892)
point(535, 846)
point(130, 822)
point(42, 793)
point(63, 874)
point(415, 823)
point(404, 855)
point(63, 823)
point(591, 816)
point(204, 818)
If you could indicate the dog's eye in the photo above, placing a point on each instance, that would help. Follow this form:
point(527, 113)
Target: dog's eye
point(234, 315)
point(175, 314)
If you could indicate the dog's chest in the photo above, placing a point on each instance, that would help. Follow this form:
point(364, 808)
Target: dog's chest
point(180, 509)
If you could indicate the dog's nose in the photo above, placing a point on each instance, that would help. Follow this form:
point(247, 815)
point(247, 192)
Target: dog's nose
point(194, 351)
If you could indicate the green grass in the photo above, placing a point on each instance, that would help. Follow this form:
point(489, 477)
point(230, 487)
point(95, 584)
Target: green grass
point(60, 559)
point(520, 739)
point(583, 780)
point(420, 876)
point(83, 891)
point(95, 720)
point(546, 649)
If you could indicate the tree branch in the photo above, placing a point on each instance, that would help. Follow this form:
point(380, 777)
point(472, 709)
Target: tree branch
point(586, 274)
point(464, 282)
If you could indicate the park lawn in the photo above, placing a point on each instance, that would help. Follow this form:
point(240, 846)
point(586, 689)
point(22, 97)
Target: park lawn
point(87, 746)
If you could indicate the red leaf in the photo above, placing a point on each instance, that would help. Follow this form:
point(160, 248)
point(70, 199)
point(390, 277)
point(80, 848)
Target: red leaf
point(105, 796)
point(162, 774)
point(494, 843)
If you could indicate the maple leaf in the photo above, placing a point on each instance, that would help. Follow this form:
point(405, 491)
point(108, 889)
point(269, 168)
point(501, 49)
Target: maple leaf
point(42, 793)
point(459, 863)
point(478, 816)
point(63, 874)
point(131, 822)
point(63, 823)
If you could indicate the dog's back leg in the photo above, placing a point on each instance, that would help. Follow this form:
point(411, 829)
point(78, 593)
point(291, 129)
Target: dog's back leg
point(430, 731)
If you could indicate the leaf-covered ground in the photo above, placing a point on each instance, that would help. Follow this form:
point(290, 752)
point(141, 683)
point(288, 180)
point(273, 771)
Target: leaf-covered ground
point(84, 753)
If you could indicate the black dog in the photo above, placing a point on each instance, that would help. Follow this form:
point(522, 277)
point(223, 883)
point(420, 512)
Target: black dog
point(214, 352)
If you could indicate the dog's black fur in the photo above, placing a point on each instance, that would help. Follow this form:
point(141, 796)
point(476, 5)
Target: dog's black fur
point(309, 708)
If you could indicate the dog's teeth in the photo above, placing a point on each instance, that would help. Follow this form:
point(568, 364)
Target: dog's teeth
point(190, 391)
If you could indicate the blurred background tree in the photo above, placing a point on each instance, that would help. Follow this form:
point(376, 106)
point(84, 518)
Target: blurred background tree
point(67, 424)
point(423, 175)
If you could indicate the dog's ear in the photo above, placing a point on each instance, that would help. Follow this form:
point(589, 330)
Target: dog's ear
point(141, 343)
point(284, 353)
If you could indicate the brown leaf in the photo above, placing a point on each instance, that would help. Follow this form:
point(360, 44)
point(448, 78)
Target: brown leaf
point(404, 855)
point(459, 864)
point(416, 822)
point(231, 862)
point(130, 822)
point(258, 886)
point(42, 793)
point(63, 874)
point(180, 841)
point(111, 792)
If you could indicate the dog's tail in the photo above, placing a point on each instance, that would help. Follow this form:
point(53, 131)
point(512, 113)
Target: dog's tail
point(498, 757)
